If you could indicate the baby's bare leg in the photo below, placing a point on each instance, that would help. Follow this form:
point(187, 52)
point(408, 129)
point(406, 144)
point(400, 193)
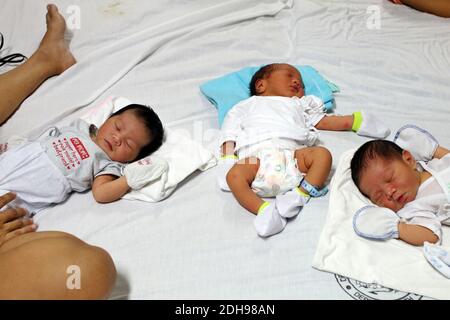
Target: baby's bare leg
point(316, 163)
point(240, 178)
point(335, 123)
point(415, 234)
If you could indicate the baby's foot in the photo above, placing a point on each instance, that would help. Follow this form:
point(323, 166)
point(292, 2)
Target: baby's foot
point(290, 203)
point(268, 221)
point(53, 47)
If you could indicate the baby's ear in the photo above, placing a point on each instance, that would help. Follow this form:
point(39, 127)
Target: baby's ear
point(260, 86)
point(409, 159)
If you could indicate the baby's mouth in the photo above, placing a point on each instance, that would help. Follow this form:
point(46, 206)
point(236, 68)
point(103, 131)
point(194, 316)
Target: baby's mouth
point(402, 198)
point(108, 145)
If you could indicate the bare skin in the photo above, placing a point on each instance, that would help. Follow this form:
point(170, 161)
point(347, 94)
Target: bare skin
point(437, 7)
point(50, 254)
point(51, 58)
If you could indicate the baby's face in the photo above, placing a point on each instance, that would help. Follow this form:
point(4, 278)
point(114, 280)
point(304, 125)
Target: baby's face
point(391, 183)
point(122, 137)
point(284, 81)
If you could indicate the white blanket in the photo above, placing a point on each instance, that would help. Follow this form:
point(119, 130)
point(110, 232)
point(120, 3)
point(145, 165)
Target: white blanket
point(392, 263)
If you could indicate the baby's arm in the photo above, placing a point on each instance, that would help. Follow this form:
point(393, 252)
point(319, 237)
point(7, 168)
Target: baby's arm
point(335, 123)
point(379, 223)
point(415, 234)
point(361, 122)
point(108, 188)
point(440, 152)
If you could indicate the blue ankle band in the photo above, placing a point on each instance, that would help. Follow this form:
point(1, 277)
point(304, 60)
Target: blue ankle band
point(312, 190)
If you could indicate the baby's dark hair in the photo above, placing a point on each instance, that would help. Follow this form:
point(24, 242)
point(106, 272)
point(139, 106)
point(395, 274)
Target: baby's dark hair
point(370, 150)
point(263, 73)
point(151, 122)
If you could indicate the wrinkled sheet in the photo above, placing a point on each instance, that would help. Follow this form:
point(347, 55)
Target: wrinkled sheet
point(199, 243)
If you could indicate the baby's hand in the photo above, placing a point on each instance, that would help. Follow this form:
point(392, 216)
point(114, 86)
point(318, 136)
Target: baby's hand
point(376, 223)
point(142, 172)
point(418, 141)
point(368, 125)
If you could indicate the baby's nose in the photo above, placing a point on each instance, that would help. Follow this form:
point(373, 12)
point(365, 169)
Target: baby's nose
point(390, 193)
point(117, 140)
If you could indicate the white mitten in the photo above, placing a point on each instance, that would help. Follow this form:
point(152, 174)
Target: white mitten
point(376, 223)
point(224, 165)
point(366, 124)
point(268, 220)
point(142, 172)
point(290, 203)
point(438, 257)
point(418, 141)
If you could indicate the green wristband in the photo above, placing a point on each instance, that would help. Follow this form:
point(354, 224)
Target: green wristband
point(357, 120)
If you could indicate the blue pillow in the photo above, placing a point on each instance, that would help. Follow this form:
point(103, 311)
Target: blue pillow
point(226, 91)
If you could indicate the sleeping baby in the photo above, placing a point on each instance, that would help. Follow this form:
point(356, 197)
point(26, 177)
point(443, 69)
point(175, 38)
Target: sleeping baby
point(268, 146)
point(409, 180)
point(81, 156)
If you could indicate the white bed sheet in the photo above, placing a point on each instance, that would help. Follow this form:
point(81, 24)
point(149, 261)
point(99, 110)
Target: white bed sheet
point(199, 243)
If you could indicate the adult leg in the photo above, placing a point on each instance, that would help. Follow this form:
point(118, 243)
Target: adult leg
point(240, 178)
point(51, 58)
point(437, 7)
point(37, 266)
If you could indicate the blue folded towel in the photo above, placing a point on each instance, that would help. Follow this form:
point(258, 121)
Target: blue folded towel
point(226, 91)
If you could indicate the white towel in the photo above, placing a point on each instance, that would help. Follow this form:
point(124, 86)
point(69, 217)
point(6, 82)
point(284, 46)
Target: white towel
point(393, 264)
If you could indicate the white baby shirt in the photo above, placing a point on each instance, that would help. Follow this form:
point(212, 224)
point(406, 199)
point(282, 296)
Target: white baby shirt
point(431, 207)
point(259, 118)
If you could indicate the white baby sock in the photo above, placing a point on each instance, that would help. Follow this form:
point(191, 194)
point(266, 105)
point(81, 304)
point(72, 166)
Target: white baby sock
point(366, 124)
point(418, 141)
point(290, 203)
point(268, 221)
point(438, 257)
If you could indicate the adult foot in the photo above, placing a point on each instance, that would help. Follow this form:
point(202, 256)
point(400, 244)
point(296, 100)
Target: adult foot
point(53, 47)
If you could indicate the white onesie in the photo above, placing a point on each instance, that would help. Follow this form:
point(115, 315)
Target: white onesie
point(431, 207)
point(46, 170)
point(271, 128)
